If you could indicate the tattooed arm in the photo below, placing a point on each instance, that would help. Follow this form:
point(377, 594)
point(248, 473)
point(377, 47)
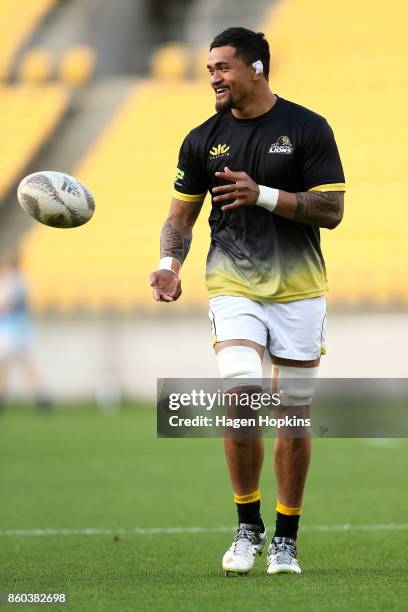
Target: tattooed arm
point(175, 242)
point(322, 208)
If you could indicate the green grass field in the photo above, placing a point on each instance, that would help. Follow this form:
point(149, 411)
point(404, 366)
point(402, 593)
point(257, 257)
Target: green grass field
point(81, 469)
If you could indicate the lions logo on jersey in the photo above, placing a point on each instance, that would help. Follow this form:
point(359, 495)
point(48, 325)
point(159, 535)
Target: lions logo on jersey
point(282, 145)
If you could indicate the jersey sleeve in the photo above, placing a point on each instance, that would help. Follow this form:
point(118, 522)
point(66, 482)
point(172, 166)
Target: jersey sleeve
point(190, 184)
point(321, 165)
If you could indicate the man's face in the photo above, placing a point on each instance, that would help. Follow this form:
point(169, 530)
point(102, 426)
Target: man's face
point(231, 78)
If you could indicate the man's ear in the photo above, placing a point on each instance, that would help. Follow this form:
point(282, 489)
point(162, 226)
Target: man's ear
point(258, 67)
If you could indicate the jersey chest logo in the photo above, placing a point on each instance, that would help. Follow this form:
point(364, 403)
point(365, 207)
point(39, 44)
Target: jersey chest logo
point(282, 145)
point(218, 151)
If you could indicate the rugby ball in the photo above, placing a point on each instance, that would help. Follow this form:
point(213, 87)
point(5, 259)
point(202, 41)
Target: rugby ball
point(55, 199)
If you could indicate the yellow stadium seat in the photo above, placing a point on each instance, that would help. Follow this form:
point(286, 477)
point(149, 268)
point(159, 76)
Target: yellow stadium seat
point(170, 62)
point(77, 66)
point(36, 66)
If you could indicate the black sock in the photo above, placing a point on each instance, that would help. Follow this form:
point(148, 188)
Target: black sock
point(286, 526)
point(250, 514)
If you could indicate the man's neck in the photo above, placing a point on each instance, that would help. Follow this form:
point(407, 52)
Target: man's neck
point(256, 106)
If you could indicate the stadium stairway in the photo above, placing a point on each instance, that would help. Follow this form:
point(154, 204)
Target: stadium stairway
point(66, 26)
point(123, 34)
point(209, 17)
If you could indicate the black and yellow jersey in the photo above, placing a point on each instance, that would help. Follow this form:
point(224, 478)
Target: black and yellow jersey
point(255, 253)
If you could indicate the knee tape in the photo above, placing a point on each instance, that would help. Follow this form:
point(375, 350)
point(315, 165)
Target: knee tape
point(239, 362)
point(296, 386)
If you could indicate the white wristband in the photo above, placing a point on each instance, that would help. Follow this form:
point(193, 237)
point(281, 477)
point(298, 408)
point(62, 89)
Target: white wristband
point(169, 263)
point(268, 197)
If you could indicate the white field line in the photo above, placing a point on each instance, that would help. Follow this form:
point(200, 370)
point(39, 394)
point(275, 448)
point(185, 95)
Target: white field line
point(23, 533)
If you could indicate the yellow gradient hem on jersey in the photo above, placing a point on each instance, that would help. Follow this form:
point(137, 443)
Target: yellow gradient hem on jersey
point(186, 197)
point(265, 281)
point(288, 510)
point(329, 187)
point(249, 498)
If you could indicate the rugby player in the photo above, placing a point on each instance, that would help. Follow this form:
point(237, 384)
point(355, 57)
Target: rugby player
point(275, 176)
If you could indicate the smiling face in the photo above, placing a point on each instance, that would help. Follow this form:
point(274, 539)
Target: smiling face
point(231, 79)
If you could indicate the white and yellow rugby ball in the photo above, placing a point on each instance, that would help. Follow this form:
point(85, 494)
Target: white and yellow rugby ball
point(55, 199)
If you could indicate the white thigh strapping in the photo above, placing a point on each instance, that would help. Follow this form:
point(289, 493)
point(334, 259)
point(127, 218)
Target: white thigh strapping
point(239, 362)
point(296, 385)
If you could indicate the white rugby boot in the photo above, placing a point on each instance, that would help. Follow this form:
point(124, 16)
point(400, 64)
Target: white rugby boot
point(282, 557)
point(240, 557)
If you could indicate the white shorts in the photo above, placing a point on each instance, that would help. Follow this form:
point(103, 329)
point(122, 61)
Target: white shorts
point(291, 330)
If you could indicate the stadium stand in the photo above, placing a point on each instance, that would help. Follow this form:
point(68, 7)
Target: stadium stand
point(29, 115)
point(17, 22)
point(343, 69)
point(131, 169)
point(330, 65)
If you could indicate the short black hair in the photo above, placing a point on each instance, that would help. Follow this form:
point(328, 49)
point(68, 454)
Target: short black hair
point(249, 45)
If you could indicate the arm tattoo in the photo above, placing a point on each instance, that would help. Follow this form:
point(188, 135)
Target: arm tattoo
point(324, 209)
point(172, 243)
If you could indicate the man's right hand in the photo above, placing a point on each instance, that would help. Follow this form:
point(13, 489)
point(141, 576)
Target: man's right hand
point(166, 285)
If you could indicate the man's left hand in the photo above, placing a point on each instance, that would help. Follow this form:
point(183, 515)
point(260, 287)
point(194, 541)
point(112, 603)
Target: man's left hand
point(242, 189)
